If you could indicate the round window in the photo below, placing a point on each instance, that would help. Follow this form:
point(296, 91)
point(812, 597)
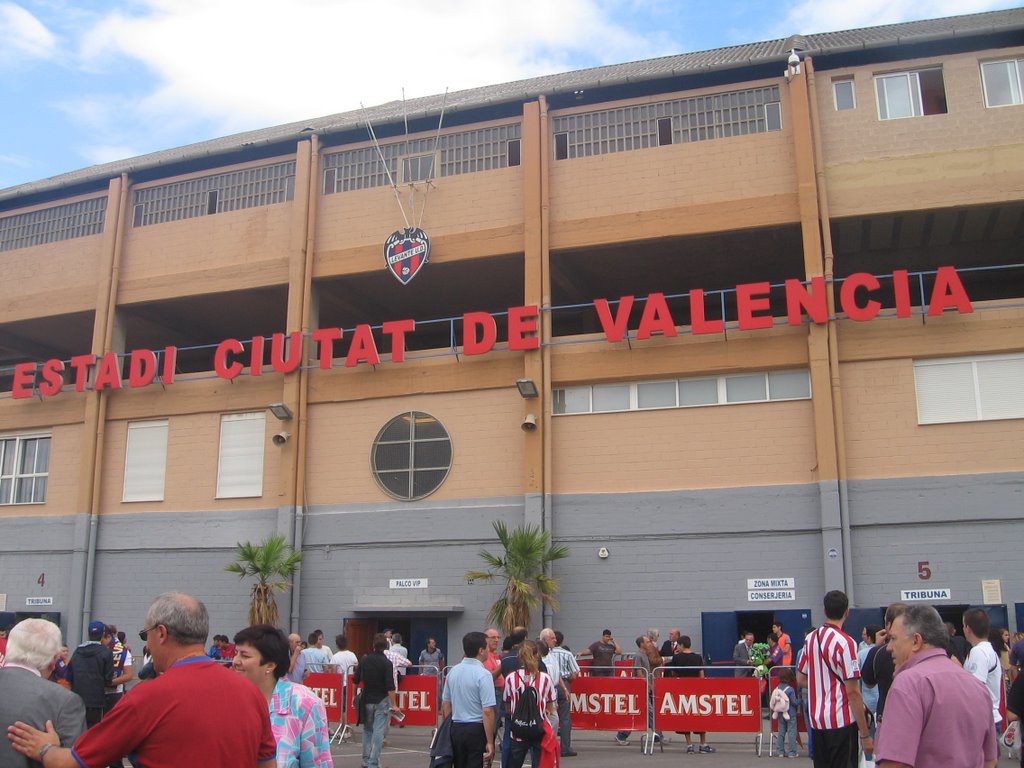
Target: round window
point(411, 456)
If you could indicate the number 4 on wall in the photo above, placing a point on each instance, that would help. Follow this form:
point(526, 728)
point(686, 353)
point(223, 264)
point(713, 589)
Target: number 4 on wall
point(924, 572)
point(41, 581)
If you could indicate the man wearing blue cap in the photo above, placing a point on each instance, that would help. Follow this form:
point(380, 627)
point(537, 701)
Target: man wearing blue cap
point(92, 669)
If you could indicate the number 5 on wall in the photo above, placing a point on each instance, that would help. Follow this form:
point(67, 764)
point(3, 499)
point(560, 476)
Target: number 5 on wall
point(923, 571)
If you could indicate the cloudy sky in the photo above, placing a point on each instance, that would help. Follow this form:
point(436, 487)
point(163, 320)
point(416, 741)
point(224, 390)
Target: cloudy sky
point(91, 81)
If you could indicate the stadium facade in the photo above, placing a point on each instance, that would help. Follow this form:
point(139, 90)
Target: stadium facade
point(765, 305)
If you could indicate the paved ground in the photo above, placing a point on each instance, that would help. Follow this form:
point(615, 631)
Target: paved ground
point(409, 748)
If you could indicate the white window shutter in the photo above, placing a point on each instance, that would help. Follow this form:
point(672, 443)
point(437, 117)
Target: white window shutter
point(145, 461)
point(240, 463)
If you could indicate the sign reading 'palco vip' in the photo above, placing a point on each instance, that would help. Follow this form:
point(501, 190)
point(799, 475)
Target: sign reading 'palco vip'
point(480, 333)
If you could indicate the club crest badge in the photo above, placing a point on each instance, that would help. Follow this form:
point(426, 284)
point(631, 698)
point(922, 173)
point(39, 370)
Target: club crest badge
point(405, 253)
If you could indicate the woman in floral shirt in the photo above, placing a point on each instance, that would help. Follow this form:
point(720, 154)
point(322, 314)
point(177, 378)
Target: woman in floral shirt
point(297, 715)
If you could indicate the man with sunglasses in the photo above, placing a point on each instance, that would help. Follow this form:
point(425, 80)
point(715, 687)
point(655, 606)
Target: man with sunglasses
point(166, 723)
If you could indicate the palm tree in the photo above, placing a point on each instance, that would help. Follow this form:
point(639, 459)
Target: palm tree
point(522, 567)
point(271, 559)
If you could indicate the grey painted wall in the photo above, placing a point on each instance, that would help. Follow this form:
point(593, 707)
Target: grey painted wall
point(672, 554)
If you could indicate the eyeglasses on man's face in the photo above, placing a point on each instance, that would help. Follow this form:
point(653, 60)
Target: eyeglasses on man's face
point(143, 633)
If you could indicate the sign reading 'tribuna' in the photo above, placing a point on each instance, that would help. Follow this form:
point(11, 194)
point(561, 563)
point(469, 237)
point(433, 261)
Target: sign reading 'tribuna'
point(405, 253)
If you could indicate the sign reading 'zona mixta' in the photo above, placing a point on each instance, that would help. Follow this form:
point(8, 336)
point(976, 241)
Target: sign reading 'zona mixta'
point(480, 332)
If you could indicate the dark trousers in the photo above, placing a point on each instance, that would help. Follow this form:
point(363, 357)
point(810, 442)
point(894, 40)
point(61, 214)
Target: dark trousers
point(518, 752)
point(468, 743)
point(836, 747)
point(564, 721)
point(92, 716)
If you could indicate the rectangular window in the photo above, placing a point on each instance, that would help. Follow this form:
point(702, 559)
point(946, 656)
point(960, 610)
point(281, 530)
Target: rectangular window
point(417, 168)
point(1001, 81)
point(910, 94)
point(684, 393)
point(969, 389)
point(571, 400)
point(514, 152)
point(145, 461)
point(656, 394)
point(843, 94)
point(664, 131)
point(24, 469)
point(611, 397)
point(773, 116)
point(240, 460)
point(698, 392)
point(561, 146)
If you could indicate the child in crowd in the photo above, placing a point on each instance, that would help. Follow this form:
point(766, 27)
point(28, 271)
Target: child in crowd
point(785, 706)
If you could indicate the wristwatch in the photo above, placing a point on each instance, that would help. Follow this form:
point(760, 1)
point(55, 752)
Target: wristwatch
point(44, 749)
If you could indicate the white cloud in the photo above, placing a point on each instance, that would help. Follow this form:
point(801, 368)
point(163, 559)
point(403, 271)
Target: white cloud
point(23, 35)
point(262, 62)
point(835, 15)
point(107, 153)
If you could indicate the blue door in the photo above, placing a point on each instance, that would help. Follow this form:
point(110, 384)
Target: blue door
point(998, 615)
point(422, 628)
point(1019, 610)
point(860, 618)
point(719, 635)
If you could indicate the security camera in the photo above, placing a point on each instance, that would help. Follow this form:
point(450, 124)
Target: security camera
point(281, 438)
point(529, 422)
point(794, 58)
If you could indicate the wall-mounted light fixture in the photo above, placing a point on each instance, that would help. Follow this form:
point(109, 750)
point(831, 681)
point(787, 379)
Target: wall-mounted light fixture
point(527, 388)
point(281, 411)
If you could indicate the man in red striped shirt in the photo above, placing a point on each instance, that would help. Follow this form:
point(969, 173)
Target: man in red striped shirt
point(828, 668)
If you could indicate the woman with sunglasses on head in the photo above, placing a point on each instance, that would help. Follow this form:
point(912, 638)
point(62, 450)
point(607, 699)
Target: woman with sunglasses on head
point(297, 715)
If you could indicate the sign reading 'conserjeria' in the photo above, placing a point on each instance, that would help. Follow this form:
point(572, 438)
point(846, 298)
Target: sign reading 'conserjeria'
point(480, 333)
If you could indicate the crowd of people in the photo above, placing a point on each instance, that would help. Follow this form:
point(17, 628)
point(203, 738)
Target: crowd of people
point(898, 696)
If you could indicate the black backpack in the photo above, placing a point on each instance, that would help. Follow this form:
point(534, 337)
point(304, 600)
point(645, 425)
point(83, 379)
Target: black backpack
point(527, 720)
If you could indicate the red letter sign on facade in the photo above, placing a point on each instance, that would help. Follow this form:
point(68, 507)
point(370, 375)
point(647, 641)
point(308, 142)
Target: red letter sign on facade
point(949, 292)
point(751, 298)
point(363, 348)
point(53, 378)
point(326, 337)
point(656, 318)
point(24, 379)
point(474, 323)
point(141, 367)
point(220, 359)
point(698, 323)
point(614, 329)
point(848, 296)
point(522, 328)
point(397, 329)
point(814, 303)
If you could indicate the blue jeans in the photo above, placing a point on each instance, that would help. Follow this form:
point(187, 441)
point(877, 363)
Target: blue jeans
point(375, 722)
point(786, 736)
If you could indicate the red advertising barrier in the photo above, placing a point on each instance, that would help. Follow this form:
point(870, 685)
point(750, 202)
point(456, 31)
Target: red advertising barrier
point(609, 703)
point(719, 704)
point(327, 685)
point(417, 698)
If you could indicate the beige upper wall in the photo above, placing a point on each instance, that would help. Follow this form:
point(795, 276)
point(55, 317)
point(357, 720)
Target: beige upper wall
point(722, 446)
point(190, 484)
point(484, 426)
point(970, 155)
point(684, 183)
point(883, 438)
point(62, 483)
